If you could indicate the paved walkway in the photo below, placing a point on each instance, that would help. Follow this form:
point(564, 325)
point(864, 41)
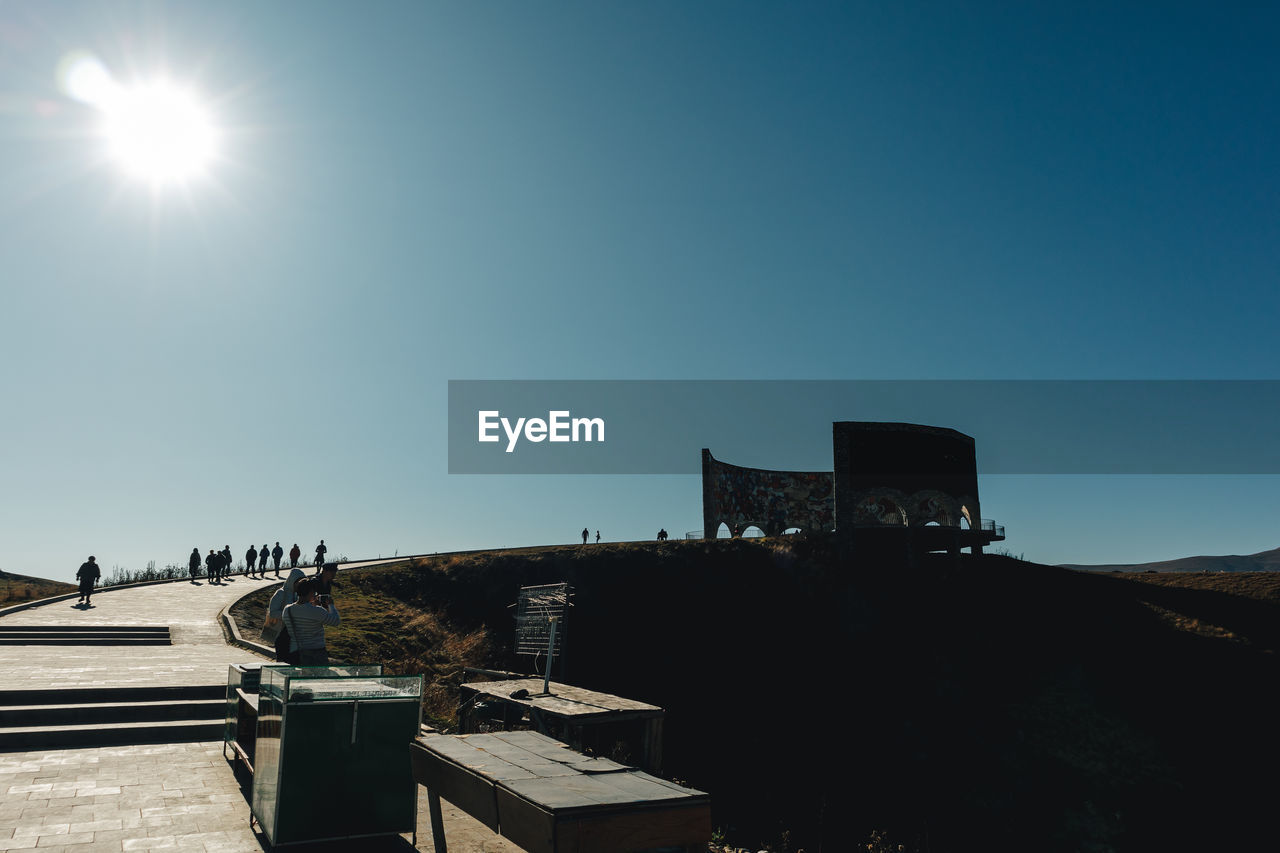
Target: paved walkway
point(199, 654)
point(182, 797)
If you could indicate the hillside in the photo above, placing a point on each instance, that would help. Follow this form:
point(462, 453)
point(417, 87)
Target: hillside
point(1264, 561)
point(998, 705)
point(16, 589)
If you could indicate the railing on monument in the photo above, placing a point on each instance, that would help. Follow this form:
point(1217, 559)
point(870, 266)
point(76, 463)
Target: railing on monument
point(990, 526)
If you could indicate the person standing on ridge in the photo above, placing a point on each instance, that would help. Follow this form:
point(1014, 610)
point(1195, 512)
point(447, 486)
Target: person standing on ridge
point(251, 560)
point(193, 565)
point(295, 554)
point(88, 573)
point(226, 561)
point(276, 553)
point(320, 552)
point(211, 564)
point(585, 534)
point(597, 537)
point(263, 553)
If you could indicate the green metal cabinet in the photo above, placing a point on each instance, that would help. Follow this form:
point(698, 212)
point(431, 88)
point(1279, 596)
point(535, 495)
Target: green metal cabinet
point(332, 753)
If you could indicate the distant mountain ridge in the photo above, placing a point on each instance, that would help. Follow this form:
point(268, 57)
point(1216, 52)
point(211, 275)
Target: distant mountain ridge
point(1263, 561)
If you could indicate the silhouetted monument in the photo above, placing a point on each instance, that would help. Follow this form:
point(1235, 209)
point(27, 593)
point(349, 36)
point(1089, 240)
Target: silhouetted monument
point(894, 485)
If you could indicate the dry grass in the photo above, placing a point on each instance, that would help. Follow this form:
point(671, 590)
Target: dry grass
point(18, 589)
point(409, 641)
point(1259, 586)
point(1192, 625)
point(405, 639)
point(1237, 607)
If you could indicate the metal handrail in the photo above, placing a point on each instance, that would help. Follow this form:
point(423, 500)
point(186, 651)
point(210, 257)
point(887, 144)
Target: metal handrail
point(990, 525)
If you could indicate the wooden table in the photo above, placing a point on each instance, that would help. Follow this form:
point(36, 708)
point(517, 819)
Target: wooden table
point(588, 720)
point(546, 798)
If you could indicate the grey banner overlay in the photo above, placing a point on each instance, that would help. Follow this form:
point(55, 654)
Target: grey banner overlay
point(1019, 426)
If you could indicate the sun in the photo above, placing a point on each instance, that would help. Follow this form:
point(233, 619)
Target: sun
point(158, 132)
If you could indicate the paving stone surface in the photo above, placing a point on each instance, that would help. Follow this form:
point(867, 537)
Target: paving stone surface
point(199, 654)
point(181, 797)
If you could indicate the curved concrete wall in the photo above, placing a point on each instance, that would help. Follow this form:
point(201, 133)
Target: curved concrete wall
point(771, 500)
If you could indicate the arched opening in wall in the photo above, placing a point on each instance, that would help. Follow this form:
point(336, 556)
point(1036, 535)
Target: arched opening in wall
point(930, 506)
point(722, 532)
point(752, 532)
point(791, 531)
point(932, 524)
point(966, 521)
point(879, 510)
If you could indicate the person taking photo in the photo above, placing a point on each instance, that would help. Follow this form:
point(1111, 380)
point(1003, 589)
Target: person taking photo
point(306, 619)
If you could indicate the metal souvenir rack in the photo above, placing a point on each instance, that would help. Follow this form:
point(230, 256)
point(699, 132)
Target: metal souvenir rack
point(541, 627)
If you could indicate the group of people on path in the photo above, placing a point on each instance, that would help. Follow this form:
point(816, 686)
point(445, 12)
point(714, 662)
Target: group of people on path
point(299, 610)
point(298, 613)
point(662, 535)
point(218, 563)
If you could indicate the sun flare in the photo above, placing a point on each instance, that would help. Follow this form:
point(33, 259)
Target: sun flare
point(156, 131)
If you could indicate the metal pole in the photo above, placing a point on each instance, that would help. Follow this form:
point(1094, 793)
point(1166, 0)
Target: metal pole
point(551, 650)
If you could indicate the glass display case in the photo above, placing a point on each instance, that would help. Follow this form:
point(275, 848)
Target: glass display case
point(332, 753)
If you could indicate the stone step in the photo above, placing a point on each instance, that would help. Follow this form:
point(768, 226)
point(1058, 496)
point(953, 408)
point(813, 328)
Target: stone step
point(18, 629)
point(84, 635)
point(27, 738)
point(108, 716)
point(117, 640)
point(99, 695)
point(17, 716)
point(83, 632)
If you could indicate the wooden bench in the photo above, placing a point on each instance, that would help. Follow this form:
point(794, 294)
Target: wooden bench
point(547, 798)
point(587, 720)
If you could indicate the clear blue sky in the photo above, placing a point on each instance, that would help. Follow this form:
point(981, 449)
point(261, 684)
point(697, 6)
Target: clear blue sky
point(410, 192)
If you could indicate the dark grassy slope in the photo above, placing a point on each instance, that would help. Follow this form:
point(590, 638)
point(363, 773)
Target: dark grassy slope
point(1001, 705)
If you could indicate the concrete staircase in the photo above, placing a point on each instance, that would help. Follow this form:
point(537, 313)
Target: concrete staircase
point(110, 716)
point(104, 716)
point(84, 635)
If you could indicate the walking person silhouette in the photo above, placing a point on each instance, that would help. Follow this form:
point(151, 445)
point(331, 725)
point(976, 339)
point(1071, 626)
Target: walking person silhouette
point(88, 573)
